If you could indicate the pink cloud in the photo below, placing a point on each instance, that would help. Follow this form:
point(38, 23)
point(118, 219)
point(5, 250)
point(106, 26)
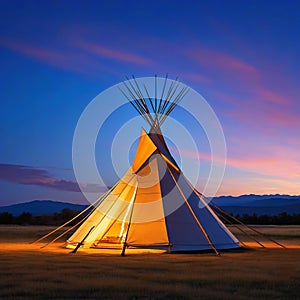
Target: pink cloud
point(261, 110)
point(257, 185)
point(63, 59)
point(261, 106)
point(191, 153)
point(50, 56)
point(277, 161)
point(28, 175)
point(276, 170)
point(278, 167)
point(265, 117)
point(112, 53)
point(271, 96)
point(248, 79)
point(271, 159)
point(222, 61)
point(283, 117)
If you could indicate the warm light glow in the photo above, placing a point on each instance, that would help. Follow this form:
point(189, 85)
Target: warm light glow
point(122, 232)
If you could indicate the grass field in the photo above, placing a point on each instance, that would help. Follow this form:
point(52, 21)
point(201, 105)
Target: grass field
point(29, 272)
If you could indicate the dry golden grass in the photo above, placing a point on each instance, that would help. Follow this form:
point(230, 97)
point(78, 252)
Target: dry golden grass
point(28, 272)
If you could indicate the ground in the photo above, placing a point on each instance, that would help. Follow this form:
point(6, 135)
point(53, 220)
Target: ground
point(30, 272)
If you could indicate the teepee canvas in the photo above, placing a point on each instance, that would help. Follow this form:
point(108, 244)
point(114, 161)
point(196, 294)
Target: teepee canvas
point(153, 205)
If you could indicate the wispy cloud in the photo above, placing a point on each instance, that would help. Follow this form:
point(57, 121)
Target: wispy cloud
point(244, 74)
point(29, 175)
point(66, 59)
point(279, 162)
point(272, 165)
point(222, 61)
point(258, 113)
point(258, 185)
point(78, 56)
point(33, 176)
point(111, 53)
point(269, 95)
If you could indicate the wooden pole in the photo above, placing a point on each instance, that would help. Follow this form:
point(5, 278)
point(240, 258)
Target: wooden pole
point(82, 242)
point(69, 229)
point(63, 225)
point(129, 224)
point(249, 227)
point(162, 94)
point(155, 94)
point(240, 229)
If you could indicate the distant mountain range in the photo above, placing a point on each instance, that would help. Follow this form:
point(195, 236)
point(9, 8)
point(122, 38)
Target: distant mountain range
point(40, 207)
point(259, 204)
point(245, 204)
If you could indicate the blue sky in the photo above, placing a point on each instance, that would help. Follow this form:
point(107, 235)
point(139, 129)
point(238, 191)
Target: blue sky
point(56, 56)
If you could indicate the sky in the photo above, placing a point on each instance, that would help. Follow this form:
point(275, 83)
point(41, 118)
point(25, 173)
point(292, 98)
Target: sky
point(56, 56)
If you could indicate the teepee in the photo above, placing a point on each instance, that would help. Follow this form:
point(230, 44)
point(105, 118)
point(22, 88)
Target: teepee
point(153, 205)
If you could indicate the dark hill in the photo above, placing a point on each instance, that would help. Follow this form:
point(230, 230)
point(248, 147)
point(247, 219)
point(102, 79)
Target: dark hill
point(245, 204)
point(40, 207)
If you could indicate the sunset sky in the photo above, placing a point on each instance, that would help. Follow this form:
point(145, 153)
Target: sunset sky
point(56, 56)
